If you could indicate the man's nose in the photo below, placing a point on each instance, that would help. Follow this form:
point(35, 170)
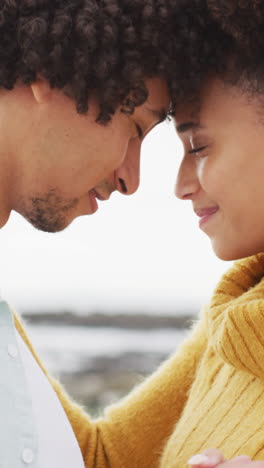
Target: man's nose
point(187, 183)
point(127, 176)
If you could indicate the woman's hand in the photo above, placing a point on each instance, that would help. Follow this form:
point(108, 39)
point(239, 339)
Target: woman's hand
point(212, 458)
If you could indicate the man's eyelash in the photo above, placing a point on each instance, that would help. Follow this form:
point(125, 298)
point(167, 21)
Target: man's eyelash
point(139, 131)
point(197, 150)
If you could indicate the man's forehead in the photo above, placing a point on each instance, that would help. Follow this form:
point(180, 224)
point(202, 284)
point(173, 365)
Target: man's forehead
point(158, 114)
point(158, 97)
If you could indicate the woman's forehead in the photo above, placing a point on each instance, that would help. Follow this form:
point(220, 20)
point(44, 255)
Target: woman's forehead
point(214, 98)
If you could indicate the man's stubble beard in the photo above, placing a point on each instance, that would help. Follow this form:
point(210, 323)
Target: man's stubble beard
point(48, 212)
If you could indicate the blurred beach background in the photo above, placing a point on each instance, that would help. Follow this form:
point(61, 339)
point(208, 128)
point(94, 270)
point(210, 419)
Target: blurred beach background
point(112, 296)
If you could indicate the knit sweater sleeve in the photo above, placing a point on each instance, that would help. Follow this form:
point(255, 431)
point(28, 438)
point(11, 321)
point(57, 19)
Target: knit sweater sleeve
point(133, 432)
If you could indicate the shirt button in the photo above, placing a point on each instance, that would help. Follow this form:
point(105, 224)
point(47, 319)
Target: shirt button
point(27, 455)
point(12, 350)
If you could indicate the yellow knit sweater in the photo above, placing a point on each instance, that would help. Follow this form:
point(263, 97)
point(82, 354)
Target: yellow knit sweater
point(209, 394)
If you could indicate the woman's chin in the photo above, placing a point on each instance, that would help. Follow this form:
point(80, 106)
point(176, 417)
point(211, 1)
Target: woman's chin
point(229, 253)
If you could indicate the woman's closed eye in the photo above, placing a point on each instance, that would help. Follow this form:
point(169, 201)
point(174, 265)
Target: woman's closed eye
point(197, 150)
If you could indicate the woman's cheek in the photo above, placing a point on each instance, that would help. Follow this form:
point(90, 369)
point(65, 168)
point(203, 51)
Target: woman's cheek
point(201, 168)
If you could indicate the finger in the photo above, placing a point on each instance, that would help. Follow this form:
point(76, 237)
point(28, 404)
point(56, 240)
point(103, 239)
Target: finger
point(242, 458)
point(238, 462)
point(214, 455)
point(208, 458)
point(200, 460)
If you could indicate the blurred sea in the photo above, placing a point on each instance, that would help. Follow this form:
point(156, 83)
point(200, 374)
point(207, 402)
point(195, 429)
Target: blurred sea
point(99, 363)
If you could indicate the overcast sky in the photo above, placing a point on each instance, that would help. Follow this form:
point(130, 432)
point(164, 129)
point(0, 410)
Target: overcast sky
point(143, 252)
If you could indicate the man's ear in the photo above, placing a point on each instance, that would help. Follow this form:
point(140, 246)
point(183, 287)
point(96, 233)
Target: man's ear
point(41, 90)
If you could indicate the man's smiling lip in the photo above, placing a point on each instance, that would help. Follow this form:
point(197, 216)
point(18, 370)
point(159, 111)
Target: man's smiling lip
point(96, 195)
point(100, 196)
point(93, 201)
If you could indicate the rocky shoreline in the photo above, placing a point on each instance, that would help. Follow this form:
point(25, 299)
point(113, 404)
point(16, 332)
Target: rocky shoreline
point(100, 319)
point(107, 380)
point(99, 358)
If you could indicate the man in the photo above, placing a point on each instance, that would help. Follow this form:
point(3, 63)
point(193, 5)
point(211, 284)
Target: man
point(56, 163)
point(81, 84)
point(55, 56)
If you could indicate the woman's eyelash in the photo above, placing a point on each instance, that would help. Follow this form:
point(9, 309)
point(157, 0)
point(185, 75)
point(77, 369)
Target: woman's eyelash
point(197, 150)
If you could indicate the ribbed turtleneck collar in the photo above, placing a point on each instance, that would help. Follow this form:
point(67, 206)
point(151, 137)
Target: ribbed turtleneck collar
point(236, 316)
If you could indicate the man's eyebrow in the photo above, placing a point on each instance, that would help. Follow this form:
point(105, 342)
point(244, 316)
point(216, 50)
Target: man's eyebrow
point(184, 127)
point(160, 114)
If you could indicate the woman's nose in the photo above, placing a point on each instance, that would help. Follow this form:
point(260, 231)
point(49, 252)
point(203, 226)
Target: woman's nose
point(187, 183)
point(127, 176)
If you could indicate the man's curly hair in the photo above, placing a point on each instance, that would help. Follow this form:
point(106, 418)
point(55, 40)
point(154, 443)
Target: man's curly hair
point(107, 47)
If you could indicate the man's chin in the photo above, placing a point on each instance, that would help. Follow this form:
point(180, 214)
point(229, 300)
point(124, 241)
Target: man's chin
point(49, 212)
point(53, 225)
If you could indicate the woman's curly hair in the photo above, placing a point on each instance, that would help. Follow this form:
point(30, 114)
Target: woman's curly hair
point(107, 47)
point(222, 38)
point(243, 22)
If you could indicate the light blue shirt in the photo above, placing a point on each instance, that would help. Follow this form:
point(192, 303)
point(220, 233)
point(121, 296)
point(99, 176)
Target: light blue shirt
point(18, 434)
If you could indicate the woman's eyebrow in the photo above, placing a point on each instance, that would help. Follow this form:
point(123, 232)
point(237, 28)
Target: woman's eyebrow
point(184, 127)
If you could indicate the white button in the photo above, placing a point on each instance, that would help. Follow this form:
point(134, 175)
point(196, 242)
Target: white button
point(27, 455)
point(12, 350)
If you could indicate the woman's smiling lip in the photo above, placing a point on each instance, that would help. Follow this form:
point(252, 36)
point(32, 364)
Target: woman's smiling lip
point(205, 213)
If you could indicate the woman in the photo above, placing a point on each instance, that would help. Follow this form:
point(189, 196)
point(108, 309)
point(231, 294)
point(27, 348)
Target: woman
point(221, 125)
point(222, 174)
